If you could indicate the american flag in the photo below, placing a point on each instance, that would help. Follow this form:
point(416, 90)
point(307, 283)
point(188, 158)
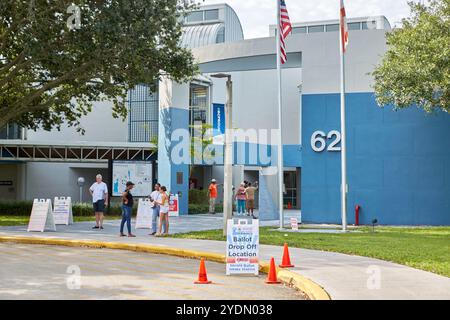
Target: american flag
point(285, 29)
point(344, 28)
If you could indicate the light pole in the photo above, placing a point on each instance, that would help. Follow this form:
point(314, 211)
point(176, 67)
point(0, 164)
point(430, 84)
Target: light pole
point(228, 158)
point(80, 183)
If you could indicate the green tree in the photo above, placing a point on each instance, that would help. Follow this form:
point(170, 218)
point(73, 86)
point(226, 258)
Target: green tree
point(57, 58)
point(416, 67)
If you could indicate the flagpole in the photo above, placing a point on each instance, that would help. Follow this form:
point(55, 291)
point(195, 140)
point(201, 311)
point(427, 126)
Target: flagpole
point(280, 140)
point(343, 137)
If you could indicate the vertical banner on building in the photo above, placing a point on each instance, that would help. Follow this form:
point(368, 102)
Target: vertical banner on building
point(144, 214)
point(173, 206)
point(242, 247)
point(62, 210)
point(41, 218)
point(218, 112)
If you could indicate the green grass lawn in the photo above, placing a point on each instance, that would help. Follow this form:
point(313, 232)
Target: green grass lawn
point(426, 248)
point(23, 220)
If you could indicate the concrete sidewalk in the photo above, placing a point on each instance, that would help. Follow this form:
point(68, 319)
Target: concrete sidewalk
point(342, 276)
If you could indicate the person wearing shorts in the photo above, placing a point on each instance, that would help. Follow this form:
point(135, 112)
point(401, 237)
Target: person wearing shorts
point(99, 193)
point(155, 197)
point(163, 212)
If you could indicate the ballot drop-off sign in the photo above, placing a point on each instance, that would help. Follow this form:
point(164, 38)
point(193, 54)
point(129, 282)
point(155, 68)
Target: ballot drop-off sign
point(242, 246)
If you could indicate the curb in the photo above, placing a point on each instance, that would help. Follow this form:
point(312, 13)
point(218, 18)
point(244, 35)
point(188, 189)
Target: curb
point(305, 285)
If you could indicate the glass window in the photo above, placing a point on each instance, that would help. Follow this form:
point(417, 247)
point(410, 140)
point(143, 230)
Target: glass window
point(212, 14)
point(332, 27)
point(198, 104)
point(313, 29)
point(299, 30)
point(220, 36)
point(4, 133)
point(195, 16)
point(369, 25)
point(11, 131)
point(143, 104)
point(354, 26)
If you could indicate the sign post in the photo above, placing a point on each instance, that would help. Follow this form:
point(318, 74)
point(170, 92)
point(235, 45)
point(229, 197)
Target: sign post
point(242, 247)
point(144, 214)
point(173, 206)
point(62, 210)
point(41, 218)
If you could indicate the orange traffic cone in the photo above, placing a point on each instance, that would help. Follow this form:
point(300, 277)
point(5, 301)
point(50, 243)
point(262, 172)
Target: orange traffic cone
point(286, 263)
point(202, 277)
point(272, 275)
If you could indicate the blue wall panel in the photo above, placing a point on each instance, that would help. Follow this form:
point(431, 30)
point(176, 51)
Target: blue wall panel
point(171, 119)
point(398, 163)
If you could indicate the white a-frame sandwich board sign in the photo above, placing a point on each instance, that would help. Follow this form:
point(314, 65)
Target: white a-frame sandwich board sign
point(41, 218)
point(144, 214)
point(242, 246)
point(62, 210)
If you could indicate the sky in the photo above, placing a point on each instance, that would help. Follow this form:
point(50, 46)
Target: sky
point(256, 15)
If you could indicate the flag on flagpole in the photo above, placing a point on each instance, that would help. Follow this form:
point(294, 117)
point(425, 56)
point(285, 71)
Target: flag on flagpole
point(285, 28)
point(344, 28)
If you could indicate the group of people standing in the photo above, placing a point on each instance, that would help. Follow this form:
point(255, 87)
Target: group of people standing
point(159, 198)
point(244, 196)
point(159, 203)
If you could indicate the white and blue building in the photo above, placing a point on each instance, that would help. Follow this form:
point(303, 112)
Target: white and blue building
point(398, 161)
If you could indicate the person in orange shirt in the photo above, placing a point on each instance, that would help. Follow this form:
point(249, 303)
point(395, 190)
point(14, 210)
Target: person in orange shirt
point(212, 193)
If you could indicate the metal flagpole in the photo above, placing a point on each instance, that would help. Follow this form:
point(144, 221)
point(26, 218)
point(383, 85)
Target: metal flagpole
point(280, 141)
point(343, 137)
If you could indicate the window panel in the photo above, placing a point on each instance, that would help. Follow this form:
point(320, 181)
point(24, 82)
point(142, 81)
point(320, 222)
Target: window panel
point(313, 29)
point(299, 30)
point(212, 14)
point(332, 27)
point(354, 26)
point(143, 115)
point(198, 104)
point(195, 16)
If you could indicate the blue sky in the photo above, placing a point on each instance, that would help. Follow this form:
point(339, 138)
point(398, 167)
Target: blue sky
point(256, 15)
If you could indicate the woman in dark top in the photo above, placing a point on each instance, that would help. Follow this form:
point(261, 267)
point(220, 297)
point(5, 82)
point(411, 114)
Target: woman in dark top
point(127, 207)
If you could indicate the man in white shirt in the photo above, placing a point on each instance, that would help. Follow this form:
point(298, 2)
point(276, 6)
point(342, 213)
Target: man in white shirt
point(99, 193)
point(155, 197)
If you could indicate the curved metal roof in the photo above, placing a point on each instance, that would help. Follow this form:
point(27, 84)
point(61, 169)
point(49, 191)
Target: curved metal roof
point(200, 35)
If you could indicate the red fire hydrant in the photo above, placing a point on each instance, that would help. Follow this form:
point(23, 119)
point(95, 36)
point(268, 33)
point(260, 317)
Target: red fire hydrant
point(357, 208)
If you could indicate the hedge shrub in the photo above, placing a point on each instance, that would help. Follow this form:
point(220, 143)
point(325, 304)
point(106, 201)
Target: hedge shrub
point(202, 208)
point(199, 197)
point(23, 208)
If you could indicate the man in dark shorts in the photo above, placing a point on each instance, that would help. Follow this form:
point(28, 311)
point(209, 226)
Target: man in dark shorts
point(99, 193)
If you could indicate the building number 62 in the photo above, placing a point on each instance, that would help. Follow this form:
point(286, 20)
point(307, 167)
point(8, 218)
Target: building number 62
point(318, 142)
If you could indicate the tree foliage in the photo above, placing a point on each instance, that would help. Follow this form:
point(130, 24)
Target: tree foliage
point(52, 69)
point(416, 67)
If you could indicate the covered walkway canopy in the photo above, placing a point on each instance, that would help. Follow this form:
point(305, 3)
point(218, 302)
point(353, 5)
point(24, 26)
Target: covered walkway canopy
point(99, 152)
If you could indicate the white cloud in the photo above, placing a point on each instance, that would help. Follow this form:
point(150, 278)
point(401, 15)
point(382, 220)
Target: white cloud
point(256, 15)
